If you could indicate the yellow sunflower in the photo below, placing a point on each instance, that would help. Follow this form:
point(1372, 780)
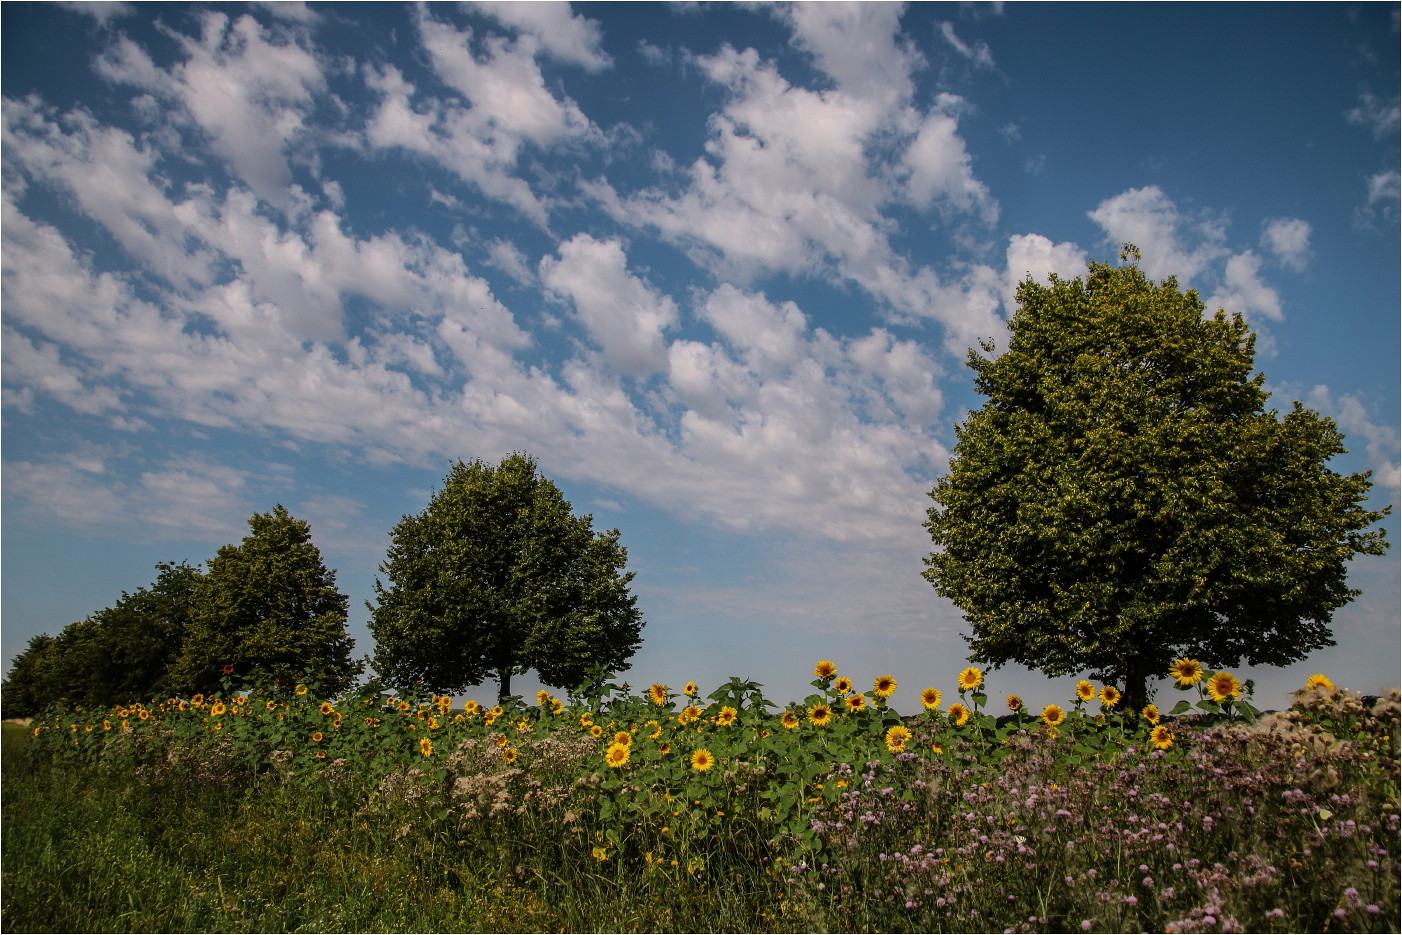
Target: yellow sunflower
point(1109, 696)
point(1085, 691)
point(930, 698)
point(896, 738)
point(688, 714)
point(617, 754)
point(1186, 672)
point(657, 693)
point(509, 754)
point(664, 748)
point(623, 737)
point(1320, 682)
point(1223, 687)
point(702, 760)
point(542, 698)
point(655, 730)
point(425, 746)
point(855, 702)
point(317, 736)
point(557, 706)
point(789, 720)
point(843, 685)
point(596, 731)
point(824, 669)
point(471, 707)
point(215, 710)
point(300, 689)
point(1151, 713)
point(1161, 737)
point(726, 717)
point(328, 708)
point(1014, 703)
point(1053, 715)
point(970, 678)
point(884, 686)
point(690, 690)
point(820, 715)
point(958, 714)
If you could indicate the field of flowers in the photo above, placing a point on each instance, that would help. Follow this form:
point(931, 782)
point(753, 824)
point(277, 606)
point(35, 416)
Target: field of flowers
point(670, 810)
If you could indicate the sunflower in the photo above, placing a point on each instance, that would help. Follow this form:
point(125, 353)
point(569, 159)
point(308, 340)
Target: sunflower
point(320, 754)
point(789, 720)
point(690, 690)
point(655, 730)
point(726, 717)
point(495, 711)
point(958, 714)
point(824, 669)
point(884, 686)
point(1161, 737)
point(896, 739)
point(689, 714)
point(401, 706)
point(617, 754)
point(542, 698)
point(556, 706)
point(820, 715)
point(327, 708)
point(471, 707)
point(1223, 686)
point(1109, 696)
point(317, 736)
point(1320, 682)
point(215, 710)
point(657, 693)
point(596, 731)
point(1085, 691)
point(702, 760)
point(300, 689)
point(843, 685)
point(509, 754)
point(1052, 715)
point(425, 746)
point(1014, 704)
point(197, 701)
point(855, 702)
point(1186, 671)
point(930, 698)
point(664, 748)
point(432, 723)
point(970, 678)
point(270, 705)
point(624, 738)
point(1151, 713)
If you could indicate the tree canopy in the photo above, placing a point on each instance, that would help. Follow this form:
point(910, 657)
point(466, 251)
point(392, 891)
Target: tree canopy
point(268, 605)
point(1123, 497)
point(496, 577)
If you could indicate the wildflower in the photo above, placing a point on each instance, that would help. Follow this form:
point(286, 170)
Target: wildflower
point(270, 705)
point(375, 722)
point(657, 693)
point(1053, 715)
point(726, 717)
point(317, 736)
point(958, 714)
point(617, 754)
point(824, 669)
point(1151, 713)
point(789, 720)
point(855, 702)
point(690, 690)
point(300, 689)
point(1223, 686)
point(425, 746)
point(1161, 737)
point(542, 698)
point(843, 686)
point(509, 754)
point(970, 679)
point(1186, 671)
point(1014, 704)
point(215, 710)
point(702, 760)
point(820, 715)
point(930, 698)
point(1085, 691)
point(884, 686)
point(896, 738)
point(600, 853)
point(936, 749)
point(1320, 682)
point(1109, 696)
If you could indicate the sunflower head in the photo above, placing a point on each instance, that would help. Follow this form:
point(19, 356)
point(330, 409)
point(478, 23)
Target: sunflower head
point(726, 717)
point(1085, 691)
point(820, 715)
point(843, 685)
point(657, 694)
point(1109, 696)
point(425, 746)
point(1223, 687)
point(1151, 713)
point(896, 738)
point(690, 690)
point(471, 707)
point(617, 754)
point(702, 760)
point(1186, 672)
point(1161, 737)
point(855, 702)
point(509, 754)
point(970, 678)
point(1053, 715)
point(884, 686)
point(789, 719)
point(623, 737)
point(542, 698)
point(1320, 683)
point(596, 731)
point(824, 669)
point(1014, 703)
point(958, 714)
point(930, 698)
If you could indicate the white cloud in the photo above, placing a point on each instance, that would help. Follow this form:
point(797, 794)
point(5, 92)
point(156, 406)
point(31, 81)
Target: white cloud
point(1353, 418)
point(979, 54)
point(560, 32)
point(855, 43)
point(1381, 117)
point(1035, 256)
point(1171, 244)
point(1384, 189)
point(1242, 291)
point(1289, 240)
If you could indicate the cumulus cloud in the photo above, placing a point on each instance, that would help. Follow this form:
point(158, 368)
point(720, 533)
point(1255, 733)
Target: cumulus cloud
point(1289, 240)
point(1172, 244)
point(1377, 115)
point(1355, 420)
point(1242, 291)
point(561, 33)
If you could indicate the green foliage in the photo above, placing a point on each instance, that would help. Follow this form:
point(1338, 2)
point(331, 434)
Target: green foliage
point(497, 576)
point(270, 605)
point(1123, 497)
point(120, 654)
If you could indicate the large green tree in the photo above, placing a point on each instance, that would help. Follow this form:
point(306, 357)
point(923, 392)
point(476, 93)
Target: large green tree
point(495, 577)
point(1124, 497)
point(268, 606)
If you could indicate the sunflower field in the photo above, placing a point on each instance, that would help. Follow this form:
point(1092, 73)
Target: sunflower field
point(271, 808)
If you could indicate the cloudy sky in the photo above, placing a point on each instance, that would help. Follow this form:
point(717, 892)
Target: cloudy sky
point(716, 266)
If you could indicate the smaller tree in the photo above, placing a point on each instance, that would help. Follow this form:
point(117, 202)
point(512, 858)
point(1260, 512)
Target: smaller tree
point(497, 576)
point(26, 690)
point(270, 605)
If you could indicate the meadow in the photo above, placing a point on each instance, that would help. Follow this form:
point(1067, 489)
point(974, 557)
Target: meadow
point(271, 808)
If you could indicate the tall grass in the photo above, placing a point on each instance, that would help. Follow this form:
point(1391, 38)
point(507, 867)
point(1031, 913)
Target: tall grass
point(517, 822)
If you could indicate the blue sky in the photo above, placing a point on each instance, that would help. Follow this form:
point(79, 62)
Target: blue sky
point(716, 266)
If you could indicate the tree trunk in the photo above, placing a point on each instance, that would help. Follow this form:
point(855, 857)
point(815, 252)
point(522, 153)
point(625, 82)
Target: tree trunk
point(504, 678)
point(1136, 692)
